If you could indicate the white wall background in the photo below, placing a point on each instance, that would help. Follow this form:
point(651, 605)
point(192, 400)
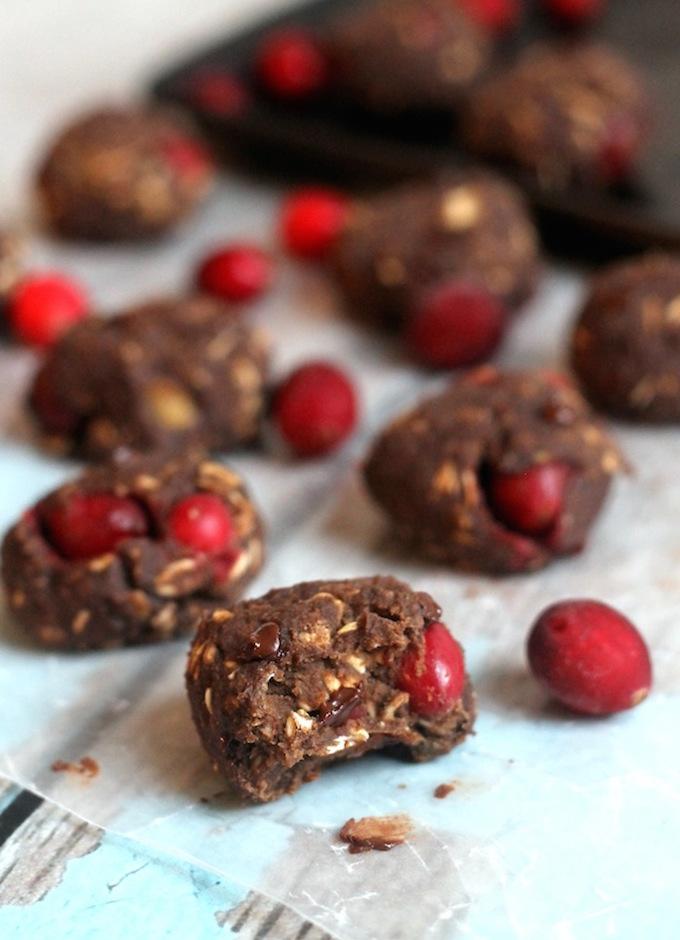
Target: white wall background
point(56, 55)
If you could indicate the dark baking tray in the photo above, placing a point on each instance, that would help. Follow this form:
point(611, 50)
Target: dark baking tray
point(327, 142)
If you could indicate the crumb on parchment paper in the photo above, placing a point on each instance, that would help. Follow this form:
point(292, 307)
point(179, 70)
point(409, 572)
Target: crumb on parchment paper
point(86, 767)
point(376, 833)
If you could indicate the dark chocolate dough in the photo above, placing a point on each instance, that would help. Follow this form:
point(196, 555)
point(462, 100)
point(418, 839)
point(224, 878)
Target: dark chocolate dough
point(320, 688)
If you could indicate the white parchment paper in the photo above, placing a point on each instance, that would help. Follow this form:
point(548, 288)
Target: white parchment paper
point(557, 826)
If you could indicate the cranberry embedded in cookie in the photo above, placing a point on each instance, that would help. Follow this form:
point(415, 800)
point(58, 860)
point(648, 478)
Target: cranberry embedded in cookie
point(85, 525)
point(185, 156)
point(618, 150)
point(434, 677)
point(457, 324)
point(284, 685)
point(202, 522)
point(500, 473)
point(131, 552)
point(532, 500)
point(291, 65)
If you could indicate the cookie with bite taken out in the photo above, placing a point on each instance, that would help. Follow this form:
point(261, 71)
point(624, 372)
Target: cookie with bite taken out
point(286, 684)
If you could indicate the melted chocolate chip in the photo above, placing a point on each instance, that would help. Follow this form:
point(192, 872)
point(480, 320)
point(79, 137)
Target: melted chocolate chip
point(340, 706)
point(264, 642)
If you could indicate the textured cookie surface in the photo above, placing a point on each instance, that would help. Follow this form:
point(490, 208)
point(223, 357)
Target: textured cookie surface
point(119, 174)
point(563, 114)
point(149, 587)
point(471, 226)
point(163, 376)
point(626, 344)
point(11, 264)
point(394, 56)
point(283, 685)
point(429, 470)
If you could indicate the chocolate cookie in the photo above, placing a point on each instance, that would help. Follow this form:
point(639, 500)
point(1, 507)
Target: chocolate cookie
point(163, 376)
point(625, 348)
point(395, 56)
point(123, 173)
point(320, 672)
point(563, 114)
point(500, 473)
point(472, 227)
point(131, 552)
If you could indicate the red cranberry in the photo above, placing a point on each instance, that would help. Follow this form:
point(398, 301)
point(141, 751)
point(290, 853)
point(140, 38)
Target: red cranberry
point(457, 324)
point(186, 156)
point(292, 65)
point(575, 12)
point(202, 522)
point(44, 306)
point(590, 657)
point(223, 563)
point(53, 415)
point(237, 273)
point(315, 409)
point(496, 16)
point(437, 680)
point(218, 92)
point(85, 525)
point(312, 220)
point(619, 150)
point(531, 501)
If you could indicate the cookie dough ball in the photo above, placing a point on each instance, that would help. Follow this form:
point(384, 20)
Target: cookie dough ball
point(123, 173)
point(562, 114)
point(131, 552)
point(305, 676)
point(625, 348)
point(500, 473)
point(472, 227)
point(11, 264)
point(161, 377)
point(395, 56)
